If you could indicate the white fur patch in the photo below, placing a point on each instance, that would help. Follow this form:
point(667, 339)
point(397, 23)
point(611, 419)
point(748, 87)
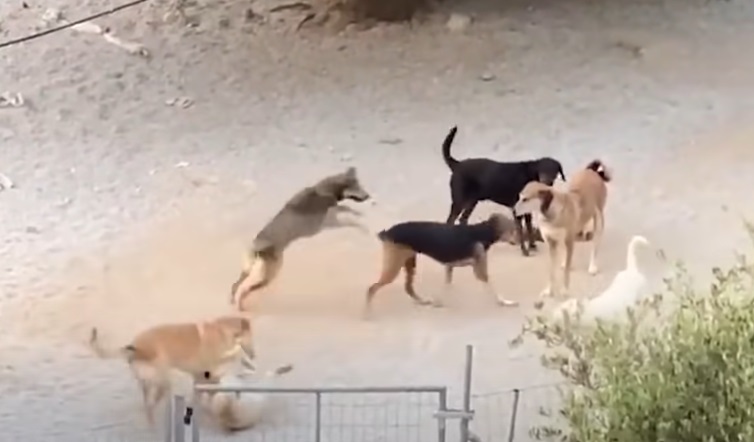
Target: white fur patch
point(554, 233)
point(234, 411)
point(526, 207)
point(628, 287)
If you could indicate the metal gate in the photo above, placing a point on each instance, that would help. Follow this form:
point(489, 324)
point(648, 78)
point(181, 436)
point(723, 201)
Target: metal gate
point(347, 414)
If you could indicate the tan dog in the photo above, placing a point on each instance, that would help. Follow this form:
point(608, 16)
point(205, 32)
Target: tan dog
point(307, 213)
point(193, 348)
point(563, 216)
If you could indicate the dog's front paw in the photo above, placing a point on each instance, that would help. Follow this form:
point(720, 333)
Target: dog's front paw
point(506, 302)
point(593, 269)
point(436, 303)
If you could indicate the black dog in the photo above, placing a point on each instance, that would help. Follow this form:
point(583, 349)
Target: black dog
point(479, 179)
point(450, 245)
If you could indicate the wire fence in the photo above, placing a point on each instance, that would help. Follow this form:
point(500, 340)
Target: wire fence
point(331, 414)
point(377, 414)
point(70, 24)
point(512, 414)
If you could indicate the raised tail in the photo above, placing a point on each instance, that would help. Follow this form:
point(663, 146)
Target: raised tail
point(599, 167)
point(632, 261)
point(449, 160)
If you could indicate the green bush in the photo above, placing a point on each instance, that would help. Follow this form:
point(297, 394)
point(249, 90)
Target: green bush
point(678, 368)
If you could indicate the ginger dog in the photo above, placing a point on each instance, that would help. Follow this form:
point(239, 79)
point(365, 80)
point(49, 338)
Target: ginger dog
point(563, 217)
point(193, 348)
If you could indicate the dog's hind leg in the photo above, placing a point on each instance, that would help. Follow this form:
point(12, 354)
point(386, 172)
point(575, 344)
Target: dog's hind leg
point(458, 198)
point(271, 265)
point(481, 272)
point(466, 214)
point(599, 227)
point(249, 258)
point(153, 396)
point(234, 288)
point(455, 210)
point(409, 267)
point(393, 259)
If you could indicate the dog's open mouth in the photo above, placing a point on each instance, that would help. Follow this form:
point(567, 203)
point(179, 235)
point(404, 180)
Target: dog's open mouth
point(524, 207)
point(360, 197)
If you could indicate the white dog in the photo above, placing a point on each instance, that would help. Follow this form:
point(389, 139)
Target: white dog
point(237, 411)
point(627, 288)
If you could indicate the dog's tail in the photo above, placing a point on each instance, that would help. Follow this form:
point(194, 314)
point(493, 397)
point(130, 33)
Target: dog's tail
point(383, 235)
point(449, 160)
point(632, 261)
point(599, 167)
point(560, 171)
point(128, 352)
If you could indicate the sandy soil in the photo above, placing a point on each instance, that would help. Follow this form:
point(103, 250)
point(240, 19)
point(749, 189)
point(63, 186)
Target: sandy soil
point(129, 212)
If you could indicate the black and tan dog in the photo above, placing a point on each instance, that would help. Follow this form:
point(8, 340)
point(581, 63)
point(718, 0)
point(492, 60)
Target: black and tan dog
point(478, 179)
point(307, 213)
point(453, 245)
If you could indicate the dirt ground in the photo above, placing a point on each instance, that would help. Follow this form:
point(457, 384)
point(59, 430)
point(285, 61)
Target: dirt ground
point(128, 211)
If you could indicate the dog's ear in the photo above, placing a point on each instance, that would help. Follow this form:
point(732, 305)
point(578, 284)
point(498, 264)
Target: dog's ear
point(546, 197)
point(351, 172)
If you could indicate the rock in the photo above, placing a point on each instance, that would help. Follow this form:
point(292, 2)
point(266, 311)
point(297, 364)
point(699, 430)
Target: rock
point(391, 140)
point(52, 16)
point(487, 76)
point(458, 22)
